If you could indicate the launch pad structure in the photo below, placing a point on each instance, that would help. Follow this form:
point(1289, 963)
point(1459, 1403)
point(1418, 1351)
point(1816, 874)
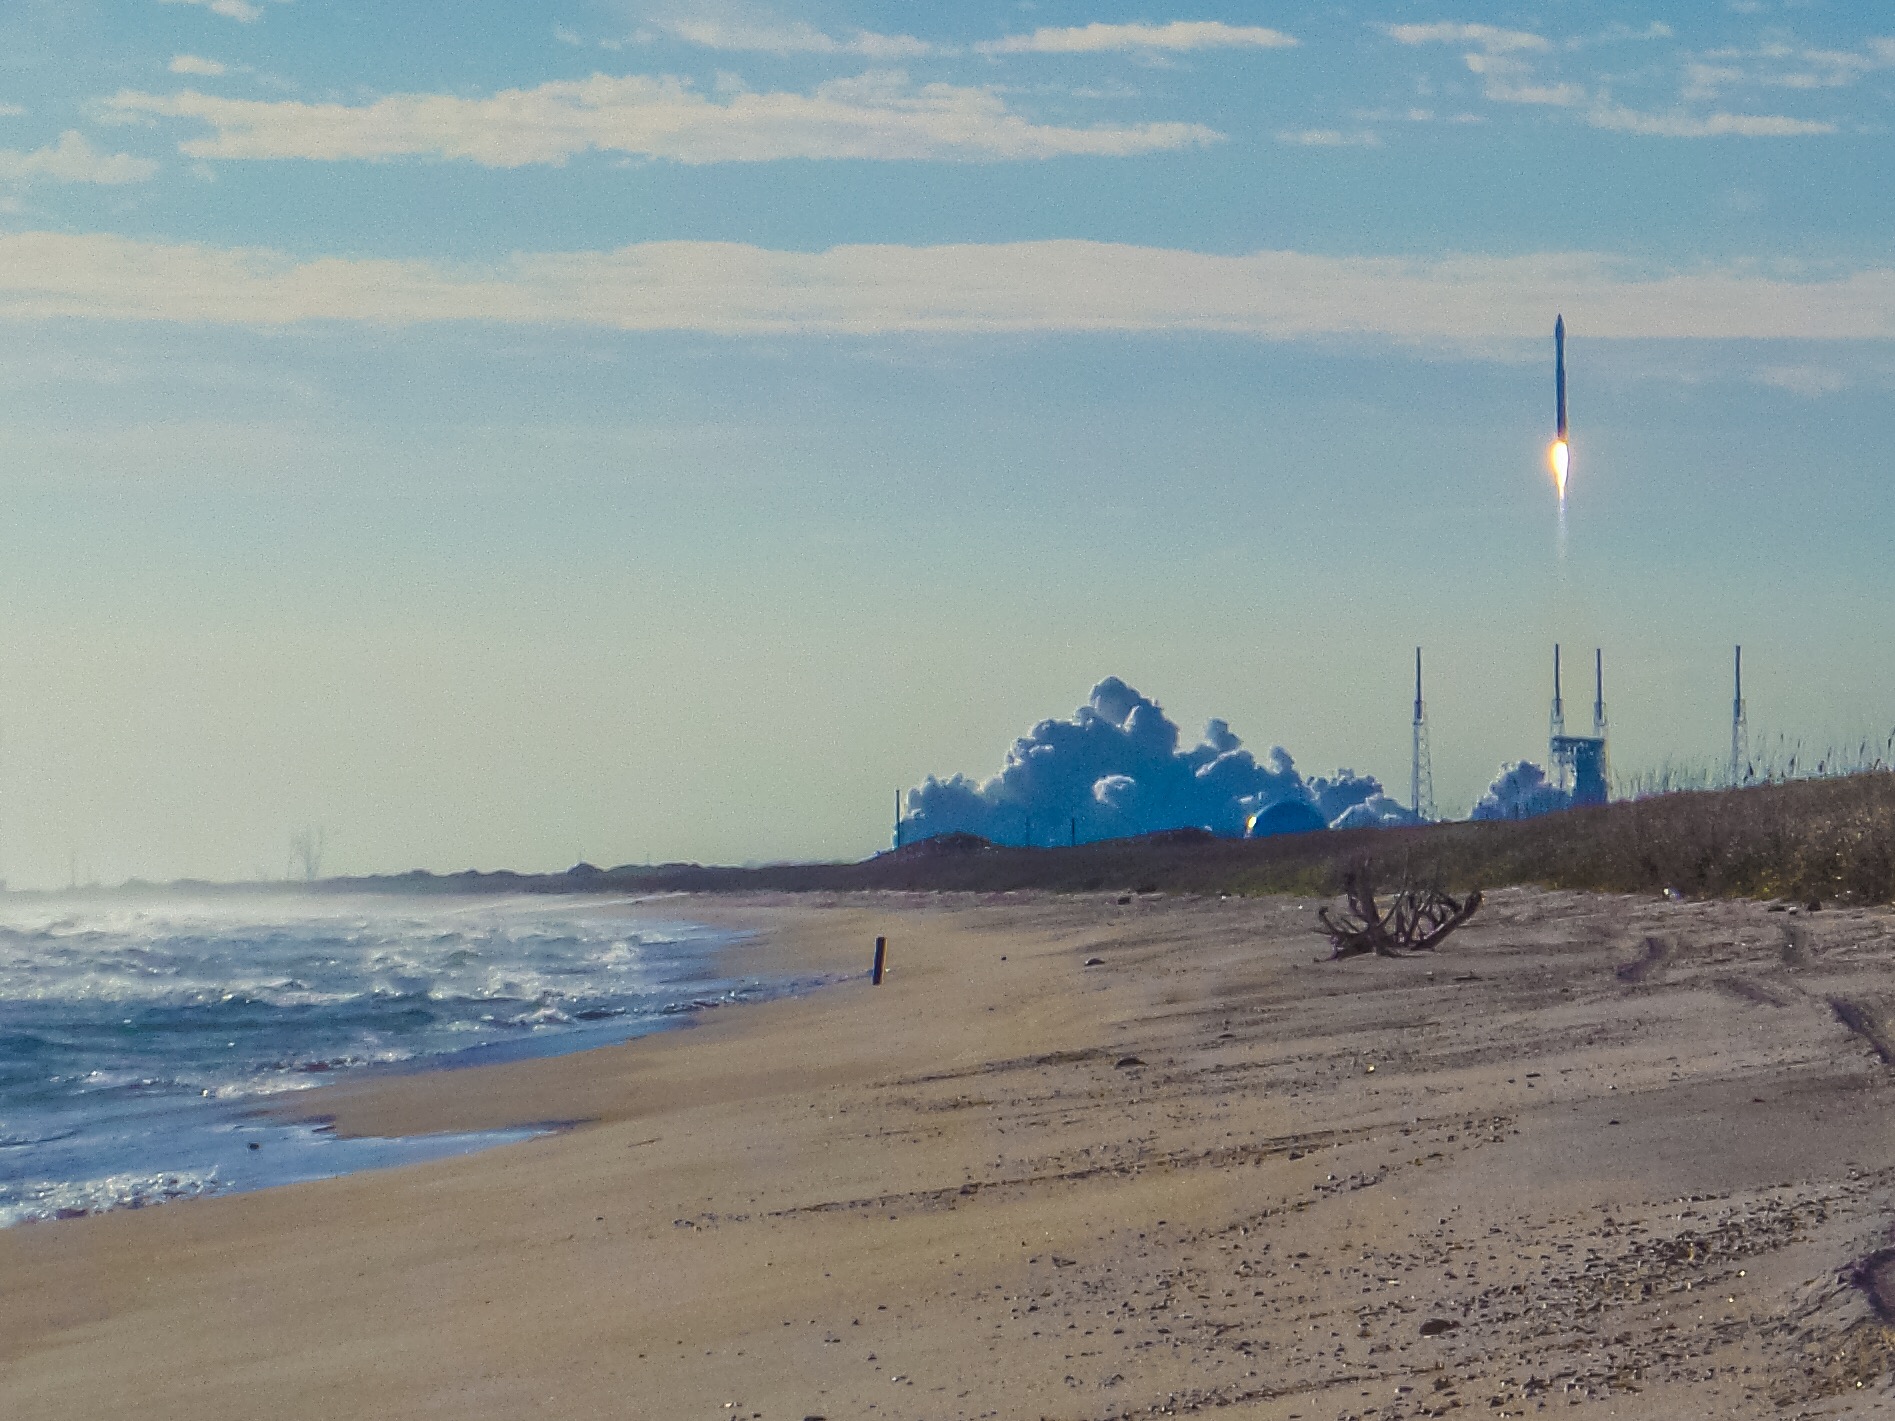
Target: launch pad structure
point(1579, 761)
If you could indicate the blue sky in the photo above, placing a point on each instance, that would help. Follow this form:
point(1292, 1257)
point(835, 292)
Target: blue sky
point(502, 434)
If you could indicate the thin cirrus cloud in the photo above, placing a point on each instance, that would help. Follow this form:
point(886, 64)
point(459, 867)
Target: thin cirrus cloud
point(732, 289)
point(1498, 57)
point(1502, 59)
point(1712, 125)
point(1489, 39)
point(196, 64)
point(1781, 65)
point(798, 38)
point(1328, 138)
point(876, 115)
point(1178, 35)
point(1175, 36)
point(246, 11)
point(73, 160)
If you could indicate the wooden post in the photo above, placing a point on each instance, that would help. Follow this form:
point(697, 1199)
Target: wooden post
point(881, 950)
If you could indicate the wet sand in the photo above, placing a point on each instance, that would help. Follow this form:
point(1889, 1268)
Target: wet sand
point(1549, 1170)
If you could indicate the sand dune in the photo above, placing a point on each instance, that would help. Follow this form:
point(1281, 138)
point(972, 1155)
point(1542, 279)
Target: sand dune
point(1558, 1169)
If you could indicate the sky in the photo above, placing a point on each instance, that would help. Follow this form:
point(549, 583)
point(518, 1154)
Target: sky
point(505, 435)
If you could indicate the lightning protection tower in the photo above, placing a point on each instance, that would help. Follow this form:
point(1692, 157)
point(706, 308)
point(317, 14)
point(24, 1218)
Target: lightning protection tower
point(1556, 725)
point(1421, 779)
point(1598, 697)
point(1592, 777)
point(1740, 723)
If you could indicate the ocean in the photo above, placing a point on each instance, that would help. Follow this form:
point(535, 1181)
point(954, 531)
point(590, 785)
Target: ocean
point(139, 1036)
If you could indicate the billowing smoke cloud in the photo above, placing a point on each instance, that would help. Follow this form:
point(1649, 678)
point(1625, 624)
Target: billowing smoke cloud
point(1116, 769)
point(1520, 791)
point(1378, 811)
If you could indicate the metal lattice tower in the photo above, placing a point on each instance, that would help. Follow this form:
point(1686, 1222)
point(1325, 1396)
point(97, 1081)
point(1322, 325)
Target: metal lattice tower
point(1556, 728)
point(1598, 712)
point(1598, 699)
point(1421, 779)
point(1740, 724)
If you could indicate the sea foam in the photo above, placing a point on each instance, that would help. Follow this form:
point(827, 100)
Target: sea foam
point(138, 1036)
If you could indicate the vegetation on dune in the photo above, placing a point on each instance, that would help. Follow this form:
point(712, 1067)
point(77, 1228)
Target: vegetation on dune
point(1824, 839)
point(1829, 838)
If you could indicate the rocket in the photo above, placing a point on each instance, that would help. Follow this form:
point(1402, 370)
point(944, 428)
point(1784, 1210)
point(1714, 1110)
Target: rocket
point(1558, 456)
point(1559, 374)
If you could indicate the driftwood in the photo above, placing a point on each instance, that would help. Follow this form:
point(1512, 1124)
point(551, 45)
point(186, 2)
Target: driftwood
point(1419, 916)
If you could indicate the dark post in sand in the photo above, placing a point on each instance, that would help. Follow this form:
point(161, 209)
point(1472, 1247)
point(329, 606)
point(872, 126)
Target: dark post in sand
point(881, 949)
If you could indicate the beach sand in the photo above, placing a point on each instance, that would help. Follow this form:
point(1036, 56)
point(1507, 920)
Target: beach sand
point(1545, 1171)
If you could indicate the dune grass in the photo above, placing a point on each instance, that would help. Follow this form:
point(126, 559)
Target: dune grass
point(1827, 839)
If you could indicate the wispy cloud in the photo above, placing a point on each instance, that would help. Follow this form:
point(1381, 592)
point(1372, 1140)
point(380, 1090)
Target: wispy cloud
point(790, 38)
point(1498, 57)
point(1328, 138)
point(1782, 65)
point(798, 37)
point(1509, 64)
point(196, 64)
point(879, 115)
point(247, 11)
point(1176, 36)
point(1069, 286)
point(1618, 32)
point(73, 160)
point(1488, 39)
point(1710, 125)
point(1811, 382)
point(1507, 81)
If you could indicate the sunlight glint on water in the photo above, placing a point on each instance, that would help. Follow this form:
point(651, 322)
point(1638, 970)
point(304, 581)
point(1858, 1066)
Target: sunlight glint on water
point(137, 1036)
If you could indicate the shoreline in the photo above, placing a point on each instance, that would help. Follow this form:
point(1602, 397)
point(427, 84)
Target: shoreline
point(1206, 1173)
point(765, 943)
point(257, 1124)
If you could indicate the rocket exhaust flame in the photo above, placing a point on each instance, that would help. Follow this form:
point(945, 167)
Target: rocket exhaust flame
point(1560, 458)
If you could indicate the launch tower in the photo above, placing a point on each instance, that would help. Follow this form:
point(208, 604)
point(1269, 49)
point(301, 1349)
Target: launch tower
point(1740, 725)
point(1579, 761)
